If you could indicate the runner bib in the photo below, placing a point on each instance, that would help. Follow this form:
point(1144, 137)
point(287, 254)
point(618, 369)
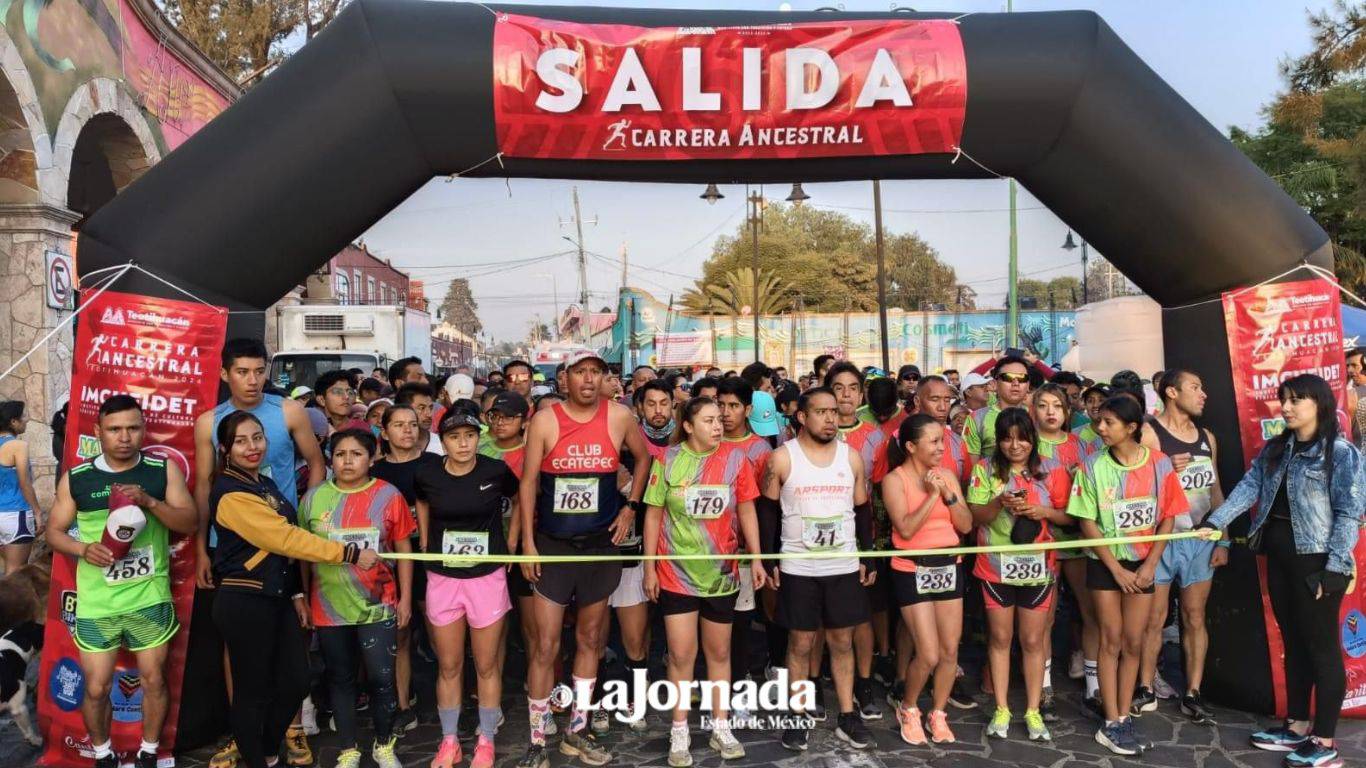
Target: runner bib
point(138, 564)
point(576, 496)
point(1138, 514)
point(706, 502)
point(469, 543)
point(823, 534)
point(932, 580)
point(1022, 570)
point(1198, 474)
point(364, 538)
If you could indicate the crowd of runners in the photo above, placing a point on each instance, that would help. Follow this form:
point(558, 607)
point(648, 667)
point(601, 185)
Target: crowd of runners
point(303, 498)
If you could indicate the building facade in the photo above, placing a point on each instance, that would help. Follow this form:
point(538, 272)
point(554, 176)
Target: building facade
point(91, 95)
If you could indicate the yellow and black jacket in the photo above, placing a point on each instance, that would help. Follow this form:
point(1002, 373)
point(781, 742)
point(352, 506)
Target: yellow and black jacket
point(259, 538)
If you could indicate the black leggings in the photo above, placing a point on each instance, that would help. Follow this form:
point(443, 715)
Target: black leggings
point(344, 649)
point(1309, 629)
point(739, 644)
point(269, 657)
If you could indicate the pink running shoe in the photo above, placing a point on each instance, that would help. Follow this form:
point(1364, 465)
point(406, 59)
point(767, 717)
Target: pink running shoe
point(448, 754)
point(939, 728)
point(912, 732)
point(483, 754)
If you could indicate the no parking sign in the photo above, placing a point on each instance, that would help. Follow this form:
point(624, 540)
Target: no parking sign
point(60, 280)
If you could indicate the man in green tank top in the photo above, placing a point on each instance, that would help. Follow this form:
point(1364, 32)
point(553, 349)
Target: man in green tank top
point(124, 602)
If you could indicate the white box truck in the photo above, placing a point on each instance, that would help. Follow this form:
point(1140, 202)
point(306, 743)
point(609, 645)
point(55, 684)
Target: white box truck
point(317, 338)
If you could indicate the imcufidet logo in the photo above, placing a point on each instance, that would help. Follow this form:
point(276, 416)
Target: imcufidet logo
point(1354, 634)
point(67, 685)
point(126, 697)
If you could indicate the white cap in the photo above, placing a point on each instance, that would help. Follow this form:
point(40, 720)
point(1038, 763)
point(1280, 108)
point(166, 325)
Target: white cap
point(974, 379)
point(460, 387)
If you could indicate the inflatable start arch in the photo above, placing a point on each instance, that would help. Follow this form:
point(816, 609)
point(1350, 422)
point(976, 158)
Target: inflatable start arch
point(395, 92)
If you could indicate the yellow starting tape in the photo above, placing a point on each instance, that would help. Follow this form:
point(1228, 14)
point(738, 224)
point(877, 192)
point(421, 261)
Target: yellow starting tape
point(470, 560)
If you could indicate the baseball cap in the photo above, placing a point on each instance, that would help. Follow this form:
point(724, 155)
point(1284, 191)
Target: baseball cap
point(300, 391)
point(456, 418)
point(540, 391)
point(459, 387)
point(974, 379)
point(510, 404)
point(908, 370)
point(763, 419)
point(317, 421)
point(582, 355)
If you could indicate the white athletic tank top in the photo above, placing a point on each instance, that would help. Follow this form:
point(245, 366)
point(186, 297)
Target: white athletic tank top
point(818, 513)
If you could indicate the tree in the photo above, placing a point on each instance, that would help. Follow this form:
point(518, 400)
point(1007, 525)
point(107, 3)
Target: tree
point(829, 260)
point(735, 292)
point(246, 37)
point(460, 309)
point(1106, 282)
point(539, 332)
point(1066, 292)
point(1314, 140)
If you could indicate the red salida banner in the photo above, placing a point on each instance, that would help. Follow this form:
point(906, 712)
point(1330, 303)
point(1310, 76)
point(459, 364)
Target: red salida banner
point(564, 90)
point(165, 353)
point(1275, 332)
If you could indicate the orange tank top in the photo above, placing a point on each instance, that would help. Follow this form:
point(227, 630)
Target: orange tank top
point(936, 533)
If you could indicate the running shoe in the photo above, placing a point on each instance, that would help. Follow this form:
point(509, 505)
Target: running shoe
point(226, 757)
point(795, 739)
point(483, 753)
point(467, 727)
point(1279, 739)
point(960, 697)
point(1162, 689)
point(145, 760)
point(771, 673)
point(999, 727)
point(1048, 708)
point(912, 731)
point(585, 745)
point(1313, 754)
point(448, 754)
point(1144, 701)
point(1095, 706)
point(817, 712)
point(550, 728)
point(349, 758)
point(308, 717)
point(884, 670)
point(1114, 737)
point(1076, 666)
point(939, 728)
point(724, 742)
point(680, 748)
point(852, 731)
point(1193, 706)
point(1144, 743)
point(601, 722)
point(865, 700)
point(535, 757)
point(895, 692)
point(107, 762)
point(297, 751)
point(1034, 721)
point(405, 720)
point(383, 754)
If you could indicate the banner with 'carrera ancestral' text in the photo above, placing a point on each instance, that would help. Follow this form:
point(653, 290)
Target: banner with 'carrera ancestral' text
point(565, 90)
point(1275, 332)
point(165, 353)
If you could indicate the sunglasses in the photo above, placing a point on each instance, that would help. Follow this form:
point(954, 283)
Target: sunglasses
point(339, 392)
point(519, 377)
point(910, 377)
point(1013, 378)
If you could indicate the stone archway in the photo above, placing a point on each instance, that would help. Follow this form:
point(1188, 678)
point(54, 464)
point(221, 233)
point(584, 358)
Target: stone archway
point(103, 143)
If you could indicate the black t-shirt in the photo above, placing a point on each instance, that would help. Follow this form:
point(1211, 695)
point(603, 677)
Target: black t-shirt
point(465, 512)
point(403, 475)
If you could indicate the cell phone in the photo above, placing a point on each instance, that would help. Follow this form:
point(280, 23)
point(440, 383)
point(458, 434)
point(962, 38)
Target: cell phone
point(1014, 352)
point(1019, 494)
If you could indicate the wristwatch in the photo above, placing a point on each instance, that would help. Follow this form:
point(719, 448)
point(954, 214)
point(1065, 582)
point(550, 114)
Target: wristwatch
point(636, 506)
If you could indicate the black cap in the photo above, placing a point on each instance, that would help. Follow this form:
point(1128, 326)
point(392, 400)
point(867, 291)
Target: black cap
point(456, 418)
point(510, 404)
point(907, 370)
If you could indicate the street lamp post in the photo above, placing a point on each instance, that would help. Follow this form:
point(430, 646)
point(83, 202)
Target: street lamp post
point(1070, 245)
point(755, 201)
point(881, 273)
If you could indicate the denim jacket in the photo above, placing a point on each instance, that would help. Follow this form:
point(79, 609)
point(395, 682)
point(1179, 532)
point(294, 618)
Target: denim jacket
point(1325, 513)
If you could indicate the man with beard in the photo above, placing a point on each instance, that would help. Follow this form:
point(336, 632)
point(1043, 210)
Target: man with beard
point(654, 403)
point(1011, 375)
point(1189, 563)
point(815, 495)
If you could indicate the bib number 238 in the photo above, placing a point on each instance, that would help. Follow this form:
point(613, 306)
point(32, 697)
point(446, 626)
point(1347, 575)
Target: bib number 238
point(576, 496)
point(930, 580)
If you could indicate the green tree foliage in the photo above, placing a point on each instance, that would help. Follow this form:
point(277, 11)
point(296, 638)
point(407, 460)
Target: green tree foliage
point(460, 309)
point(246, 37)
point(829, 260)
point(1314, 140)
point(1066, 292)
point(735, 293)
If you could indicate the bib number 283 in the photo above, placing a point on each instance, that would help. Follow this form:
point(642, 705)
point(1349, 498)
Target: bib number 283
point(1135, 514)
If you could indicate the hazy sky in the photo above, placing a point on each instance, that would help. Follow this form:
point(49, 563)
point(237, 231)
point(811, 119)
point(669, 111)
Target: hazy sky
point(1221, 55)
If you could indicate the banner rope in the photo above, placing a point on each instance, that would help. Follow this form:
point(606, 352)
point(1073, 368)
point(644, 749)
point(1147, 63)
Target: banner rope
point(1332, 278)
point(469, 560)
point(104, 286)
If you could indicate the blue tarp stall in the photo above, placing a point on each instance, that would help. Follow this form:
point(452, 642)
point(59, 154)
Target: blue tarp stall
point(1353, 326)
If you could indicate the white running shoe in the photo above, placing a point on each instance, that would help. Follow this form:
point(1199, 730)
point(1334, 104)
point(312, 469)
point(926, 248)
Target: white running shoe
point(308, 717)
point(1163, 689)
point(1076, 667)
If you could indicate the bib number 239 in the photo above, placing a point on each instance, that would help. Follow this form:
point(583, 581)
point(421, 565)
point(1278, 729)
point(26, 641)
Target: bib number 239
point(576, 496)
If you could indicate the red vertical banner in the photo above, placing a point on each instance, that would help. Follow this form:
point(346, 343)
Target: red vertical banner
point(1275, 332)
point(165, 353)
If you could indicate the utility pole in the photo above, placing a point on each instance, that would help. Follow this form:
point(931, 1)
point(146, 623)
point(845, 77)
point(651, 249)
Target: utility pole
point(881, 273)
point(756, 201)
point(1013, 296)
point(584, 311)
